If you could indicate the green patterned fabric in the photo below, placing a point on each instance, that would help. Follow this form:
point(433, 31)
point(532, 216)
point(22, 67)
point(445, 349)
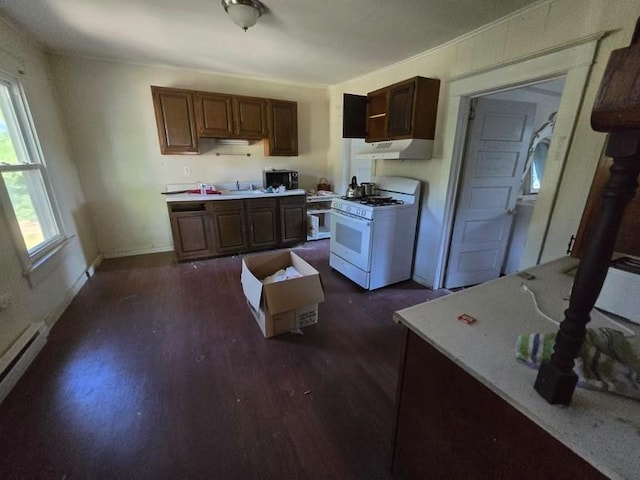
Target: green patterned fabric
point(607, 360)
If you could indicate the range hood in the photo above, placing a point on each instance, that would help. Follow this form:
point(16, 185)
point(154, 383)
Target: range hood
point(410, 148)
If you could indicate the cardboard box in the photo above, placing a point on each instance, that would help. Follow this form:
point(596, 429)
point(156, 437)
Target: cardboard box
point(281, 306)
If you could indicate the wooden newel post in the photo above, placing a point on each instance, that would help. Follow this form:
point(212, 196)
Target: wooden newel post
point(616, 110)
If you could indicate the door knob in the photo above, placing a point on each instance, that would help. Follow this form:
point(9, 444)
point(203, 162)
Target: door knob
point(511, 211)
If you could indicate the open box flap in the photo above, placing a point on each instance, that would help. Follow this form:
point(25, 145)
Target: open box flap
point(251, 286)
point(293, 294)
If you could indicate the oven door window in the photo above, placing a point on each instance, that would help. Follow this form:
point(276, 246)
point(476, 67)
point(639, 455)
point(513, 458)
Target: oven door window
point(351, 239)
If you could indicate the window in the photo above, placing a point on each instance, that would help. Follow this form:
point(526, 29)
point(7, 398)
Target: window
point(25, 193)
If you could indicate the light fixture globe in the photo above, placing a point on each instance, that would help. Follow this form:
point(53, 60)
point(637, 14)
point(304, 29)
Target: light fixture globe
point(244, 13)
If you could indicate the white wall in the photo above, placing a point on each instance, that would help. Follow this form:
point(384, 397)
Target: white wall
point(109, 111)
point(57, 282)
point(543, 27)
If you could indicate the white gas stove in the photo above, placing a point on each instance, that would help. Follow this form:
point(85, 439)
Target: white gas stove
point(373, 238)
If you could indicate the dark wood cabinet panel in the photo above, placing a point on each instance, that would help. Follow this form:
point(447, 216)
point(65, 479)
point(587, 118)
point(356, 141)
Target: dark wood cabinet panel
point(400, 110)
point(262, 223)
point(228, 116)
point(228, 224)
point(214, 115)
point(175, 120)
point(293, 219)
point(224, 227)
point(283, 128)
point(183, 116)
point(628, 240)
point(449, 425)
point(354, 122)
point(406, 109)
point(250, 117)
point(190, 227)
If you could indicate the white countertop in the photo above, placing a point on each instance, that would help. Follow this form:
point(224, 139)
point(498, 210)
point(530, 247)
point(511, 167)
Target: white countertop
point(229, 195)
point(602, 428)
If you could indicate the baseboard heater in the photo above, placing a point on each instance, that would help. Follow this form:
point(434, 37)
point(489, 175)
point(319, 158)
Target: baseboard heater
point(20, 355)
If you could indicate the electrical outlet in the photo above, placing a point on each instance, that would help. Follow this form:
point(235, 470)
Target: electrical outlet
point(187, 171)
point(5, 301)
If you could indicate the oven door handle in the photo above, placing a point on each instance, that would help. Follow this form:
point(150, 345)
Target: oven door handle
point(351, 218)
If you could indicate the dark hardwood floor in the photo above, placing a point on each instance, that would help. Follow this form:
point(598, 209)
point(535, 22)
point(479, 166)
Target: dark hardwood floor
point(157, 370)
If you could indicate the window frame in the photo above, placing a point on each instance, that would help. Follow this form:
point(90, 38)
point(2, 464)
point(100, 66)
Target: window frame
point(28, 139)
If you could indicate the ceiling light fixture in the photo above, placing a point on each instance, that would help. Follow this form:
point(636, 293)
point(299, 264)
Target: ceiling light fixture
point(244, 13)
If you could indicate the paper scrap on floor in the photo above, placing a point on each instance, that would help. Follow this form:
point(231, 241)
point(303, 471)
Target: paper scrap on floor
point(281, 275)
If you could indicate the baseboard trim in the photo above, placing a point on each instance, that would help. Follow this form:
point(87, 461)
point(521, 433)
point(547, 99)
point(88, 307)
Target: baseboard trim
point(141, 251)
point(15, 361)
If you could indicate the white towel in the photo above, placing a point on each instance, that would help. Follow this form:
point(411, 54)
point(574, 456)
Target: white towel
point(282, 274)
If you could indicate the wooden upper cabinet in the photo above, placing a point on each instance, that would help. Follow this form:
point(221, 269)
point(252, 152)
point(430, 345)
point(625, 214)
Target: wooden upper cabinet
point(214, 115)
point(183, 116)
point(405, 109)
point(228, 116)
point(175, 120)
point(282, 121)
point(250, 116)
point(400, 112)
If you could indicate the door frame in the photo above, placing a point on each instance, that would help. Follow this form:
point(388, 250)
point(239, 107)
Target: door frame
point(571, 61)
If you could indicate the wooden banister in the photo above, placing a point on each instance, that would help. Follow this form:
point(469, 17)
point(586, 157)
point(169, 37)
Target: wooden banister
point(617, 111)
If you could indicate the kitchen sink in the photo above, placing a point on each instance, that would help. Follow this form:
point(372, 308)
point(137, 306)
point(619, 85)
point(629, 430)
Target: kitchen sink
point(242, 192)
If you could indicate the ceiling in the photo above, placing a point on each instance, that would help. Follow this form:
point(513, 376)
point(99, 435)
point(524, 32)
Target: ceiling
point(320, 42)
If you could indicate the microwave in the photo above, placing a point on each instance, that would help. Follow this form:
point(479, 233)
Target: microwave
point(275, 178)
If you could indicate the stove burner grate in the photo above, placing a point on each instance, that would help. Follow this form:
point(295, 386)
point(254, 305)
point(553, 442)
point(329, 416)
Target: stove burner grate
point(374, 201)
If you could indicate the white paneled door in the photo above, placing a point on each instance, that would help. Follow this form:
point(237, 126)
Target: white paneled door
point(496, 151)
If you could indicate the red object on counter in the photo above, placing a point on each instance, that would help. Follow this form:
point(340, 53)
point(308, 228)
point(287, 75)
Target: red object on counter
point(208, 191)
point(465, 318)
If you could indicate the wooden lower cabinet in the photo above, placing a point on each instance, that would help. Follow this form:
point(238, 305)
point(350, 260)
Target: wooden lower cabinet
point(262, 223)
point(449, 425)
point(229, 220)
point(225, 227)
point(191, 229)
point(293, 219)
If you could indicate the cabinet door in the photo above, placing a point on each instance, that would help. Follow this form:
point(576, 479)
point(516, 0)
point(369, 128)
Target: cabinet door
point(175, 120)
point(228, 226)
point(250, 117)
point(400, 109)
point(441, 408)
point(191, 230)
point(262, 223)
point(377, 115)
point(283, 128)
point(354, 116)
point(214, 115)
point(293, 219)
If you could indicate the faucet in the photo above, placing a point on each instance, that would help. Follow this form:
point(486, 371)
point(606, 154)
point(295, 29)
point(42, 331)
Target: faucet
point(237, 184)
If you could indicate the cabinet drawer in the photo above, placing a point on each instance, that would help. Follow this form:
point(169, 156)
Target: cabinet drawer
point(225, 205)
point(293, 200)
point(259, 203)
point(180, 207)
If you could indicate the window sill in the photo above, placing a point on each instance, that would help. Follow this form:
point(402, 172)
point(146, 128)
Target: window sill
point(45, 264)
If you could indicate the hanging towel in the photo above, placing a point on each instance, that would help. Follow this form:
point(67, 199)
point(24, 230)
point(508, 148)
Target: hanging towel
point(606, 362)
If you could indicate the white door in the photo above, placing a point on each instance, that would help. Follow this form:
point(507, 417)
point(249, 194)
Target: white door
point(496, 152)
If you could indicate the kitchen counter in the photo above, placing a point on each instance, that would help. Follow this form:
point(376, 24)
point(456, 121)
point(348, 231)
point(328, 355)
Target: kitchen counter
point(230, 195)
point(601, 428)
